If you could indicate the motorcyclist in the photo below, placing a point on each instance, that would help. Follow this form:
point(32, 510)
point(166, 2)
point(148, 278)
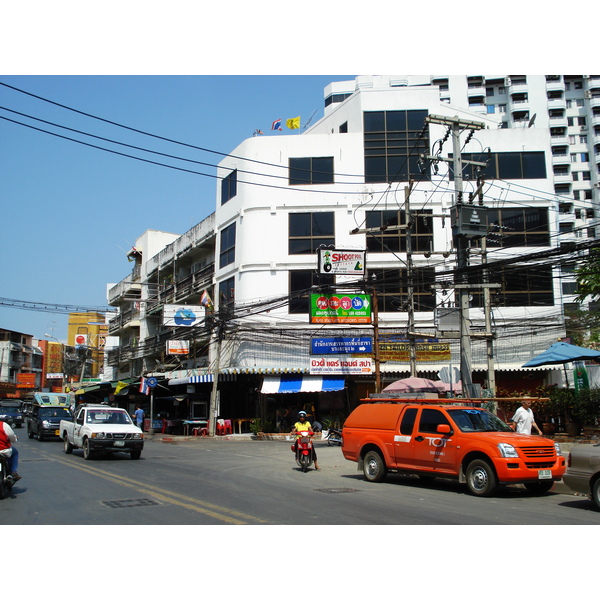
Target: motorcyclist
point(7, 439)
point(303, 425)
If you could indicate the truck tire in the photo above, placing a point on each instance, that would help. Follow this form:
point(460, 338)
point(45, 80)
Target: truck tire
point(135, 454)
point(596, 494)
point(29, 433)
point(374, 467)
point(67, 446)
point(87, 451)
point(481, 478)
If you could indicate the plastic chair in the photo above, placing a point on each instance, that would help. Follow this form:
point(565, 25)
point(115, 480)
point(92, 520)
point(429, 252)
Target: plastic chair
point(227, 427)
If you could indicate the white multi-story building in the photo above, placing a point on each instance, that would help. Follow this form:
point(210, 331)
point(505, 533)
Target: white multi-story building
point(374, 174)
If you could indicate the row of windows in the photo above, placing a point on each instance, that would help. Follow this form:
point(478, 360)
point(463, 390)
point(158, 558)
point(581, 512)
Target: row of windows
point(506, 165)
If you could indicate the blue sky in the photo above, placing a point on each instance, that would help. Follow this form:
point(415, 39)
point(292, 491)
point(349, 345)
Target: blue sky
point(71, 212)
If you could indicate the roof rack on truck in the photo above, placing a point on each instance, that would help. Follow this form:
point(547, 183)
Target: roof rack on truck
point(51, 399)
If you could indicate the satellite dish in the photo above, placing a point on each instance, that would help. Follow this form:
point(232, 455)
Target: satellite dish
point(532, 120)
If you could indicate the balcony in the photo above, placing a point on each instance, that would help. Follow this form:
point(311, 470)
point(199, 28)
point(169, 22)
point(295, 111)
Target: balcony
point(555, 85)
point(557, 104)
point(126, 319)
point(125, 289)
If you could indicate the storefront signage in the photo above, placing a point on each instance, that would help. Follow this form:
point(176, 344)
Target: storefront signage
point(54, 375)
point(25, 380)
point(340, 308)
point(178, 347)
point(182, 315)
point(342, 262)
point(425, 350)
point(341, 345)
point(341, 366)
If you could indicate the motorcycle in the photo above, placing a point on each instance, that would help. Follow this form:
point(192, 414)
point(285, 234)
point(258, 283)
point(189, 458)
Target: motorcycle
point(304, 450)
point(334, 437)
point(6, 479)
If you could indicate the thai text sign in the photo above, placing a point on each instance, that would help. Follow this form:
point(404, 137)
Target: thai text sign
point(425, 350)
point(342, 262)
point(340, 308)
point(178, 347)
point(341, 345)
point(25, 380)
point(341, 365)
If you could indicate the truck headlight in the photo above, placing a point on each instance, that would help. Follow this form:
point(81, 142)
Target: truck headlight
point(46, 424)
point(507, 451)
point(138, 436)
point(99, 435)
point(558, 450)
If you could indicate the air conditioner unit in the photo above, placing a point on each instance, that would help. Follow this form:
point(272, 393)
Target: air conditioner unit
point(506, 81)
point(587, 94)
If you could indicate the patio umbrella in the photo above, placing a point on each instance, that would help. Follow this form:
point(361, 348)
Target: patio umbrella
point(560, 354)
point(415, 384)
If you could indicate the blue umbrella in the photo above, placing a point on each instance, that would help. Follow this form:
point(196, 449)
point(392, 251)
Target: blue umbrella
point(562, 353)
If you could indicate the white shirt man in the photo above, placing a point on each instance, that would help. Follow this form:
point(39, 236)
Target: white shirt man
point(524, 419)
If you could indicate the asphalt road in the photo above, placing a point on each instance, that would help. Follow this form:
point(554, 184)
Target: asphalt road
point(221, 482)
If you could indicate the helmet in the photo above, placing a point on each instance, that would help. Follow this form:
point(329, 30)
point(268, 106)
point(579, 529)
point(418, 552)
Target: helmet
point(301, 414)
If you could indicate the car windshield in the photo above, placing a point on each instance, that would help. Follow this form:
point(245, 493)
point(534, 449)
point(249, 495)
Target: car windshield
point(108, 416)
point(10, 410)
point(54, 412)
point(469, 420)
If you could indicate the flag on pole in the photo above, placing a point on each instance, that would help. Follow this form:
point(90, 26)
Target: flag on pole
point(205, 299)
point(276, 125)
point(144, 388)
point(293, 123)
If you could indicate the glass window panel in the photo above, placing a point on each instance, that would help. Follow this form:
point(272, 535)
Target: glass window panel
point(509, 165)
point(374, 121)
point(322, 223)
point(300, 224)
point(322, 170)
point(534, 165)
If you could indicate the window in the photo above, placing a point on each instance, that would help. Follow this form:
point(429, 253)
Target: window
point(301, 283)
point(501, 108)
point(229, 187)
point(344, 127)
point(408, 421)
point(513, 227)
point(308, 231)
point(583, 139)
point(227, 292)
point(227, 255)
point(491, 109)
point(394, 240)
point(393, 141)
point(393, 289)
point(430, 419)
point(506, 165)
point(569, 287)
point(311, 171)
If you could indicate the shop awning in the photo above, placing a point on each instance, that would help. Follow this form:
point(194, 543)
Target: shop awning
point(291, 384)
point(208, 378)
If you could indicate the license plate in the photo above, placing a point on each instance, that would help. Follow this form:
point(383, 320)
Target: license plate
point(119, 444)
point(544, 474)
point(56, 432)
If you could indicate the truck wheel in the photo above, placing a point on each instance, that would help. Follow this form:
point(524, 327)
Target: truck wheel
point(374, 467)
point(481, 479)
point(596, 494)
point(40, 436)
point(135, 454)
point(87, 451)
point(67, 446)
point(539, 487)
point(29, 433)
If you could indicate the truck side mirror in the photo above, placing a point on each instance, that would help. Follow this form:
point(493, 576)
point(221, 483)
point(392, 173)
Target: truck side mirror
point(444, 429)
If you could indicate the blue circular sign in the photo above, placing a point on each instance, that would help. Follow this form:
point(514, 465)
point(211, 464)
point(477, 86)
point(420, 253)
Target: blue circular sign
point(152, 381)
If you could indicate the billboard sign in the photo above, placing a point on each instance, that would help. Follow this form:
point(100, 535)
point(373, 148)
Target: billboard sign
point(341, 365)
point(182, 315)
point(178, 347)
point(340, 308)
point(341, 262)
point(341, 345)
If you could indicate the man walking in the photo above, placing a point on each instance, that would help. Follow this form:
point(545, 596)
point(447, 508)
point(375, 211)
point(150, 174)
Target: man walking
point(139, 417)
point(524, 419)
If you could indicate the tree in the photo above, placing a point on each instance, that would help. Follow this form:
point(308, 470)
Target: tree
point(588, 277)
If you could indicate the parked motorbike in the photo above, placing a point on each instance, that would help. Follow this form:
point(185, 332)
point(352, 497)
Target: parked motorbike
point(334, 437)
point(6, 480)
point(304, 450)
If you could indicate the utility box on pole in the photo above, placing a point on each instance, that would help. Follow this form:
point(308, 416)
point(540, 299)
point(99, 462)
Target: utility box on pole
point(468, 220)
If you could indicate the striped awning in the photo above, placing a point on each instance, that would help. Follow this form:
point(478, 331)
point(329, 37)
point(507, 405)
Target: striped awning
point(291, 384)
point(207, 378)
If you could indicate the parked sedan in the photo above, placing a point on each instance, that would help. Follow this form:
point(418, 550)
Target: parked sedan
point(583, 471)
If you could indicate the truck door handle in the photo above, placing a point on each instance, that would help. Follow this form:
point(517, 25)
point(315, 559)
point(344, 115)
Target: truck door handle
point(419, 438)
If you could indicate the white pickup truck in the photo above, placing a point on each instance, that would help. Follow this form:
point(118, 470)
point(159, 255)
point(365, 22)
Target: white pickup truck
point(99, 428)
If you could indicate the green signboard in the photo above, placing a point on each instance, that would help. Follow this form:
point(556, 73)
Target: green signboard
point(340, 308)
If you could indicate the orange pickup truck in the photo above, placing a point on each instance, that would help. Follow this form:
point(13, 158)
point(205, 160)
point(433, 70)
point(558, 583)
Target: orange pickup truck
point(451, 440)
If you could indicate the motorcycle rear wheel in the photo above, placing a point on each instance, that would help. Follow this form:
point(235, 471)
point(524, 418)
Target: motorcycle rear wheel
point(304, 460)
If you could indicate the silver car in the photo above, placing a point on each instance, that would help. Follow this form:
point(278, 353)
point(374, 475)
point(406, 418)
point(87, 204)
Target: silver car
point(583, 471)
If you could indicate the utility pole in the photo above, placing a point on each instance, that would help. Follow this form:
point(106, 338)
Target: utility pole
point(466, 225)
point(215, 359)
point(411, 295)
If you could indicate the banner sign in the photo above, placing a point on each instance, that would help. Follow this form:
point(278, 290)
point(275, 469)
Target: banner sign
point(178, 347)
point(426, 350)
point(25, 380)
point(341, 366)
point(341, 345)
point(182, 315)
point(341, 262)
point(340, 308)
point(54, 375)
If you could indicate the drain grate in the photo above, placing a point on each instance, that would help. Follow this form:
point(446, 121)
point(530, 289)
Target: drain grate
point(339, 490)
point(131, 503)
